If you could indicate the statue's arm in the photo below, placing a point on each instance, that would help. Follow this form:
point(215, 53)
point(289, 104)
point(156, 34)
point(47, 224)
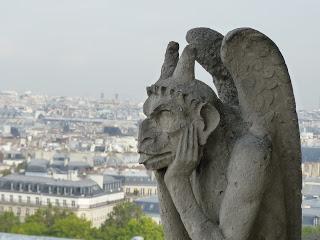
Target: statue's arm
point(177, 180)
point(171, 222)
point(199, 227)
point(247, 177)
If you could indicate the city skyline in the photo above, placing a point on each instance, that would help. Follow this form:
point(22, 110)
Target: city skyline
point(82, 48)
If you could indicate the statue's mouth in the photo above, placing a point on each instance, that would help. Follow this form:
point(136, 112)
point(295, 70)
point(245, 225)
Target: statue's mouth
point(155, 161)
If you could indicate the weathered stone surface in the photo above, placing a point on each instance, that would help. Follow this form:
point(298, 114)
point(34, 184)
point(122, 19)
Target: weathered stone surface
point(227, 167)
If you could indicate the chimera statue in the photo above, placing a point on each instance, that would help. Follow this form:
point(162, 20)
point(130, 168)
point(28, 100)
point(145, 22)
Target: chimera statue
point(227, 166)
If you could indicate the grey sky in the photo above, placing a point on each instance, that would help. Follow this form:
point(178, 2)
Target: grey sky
point(84, 47)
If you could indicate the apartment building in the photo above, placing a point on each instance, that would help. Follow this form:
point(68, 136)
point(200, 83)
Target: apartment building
point(23, 195)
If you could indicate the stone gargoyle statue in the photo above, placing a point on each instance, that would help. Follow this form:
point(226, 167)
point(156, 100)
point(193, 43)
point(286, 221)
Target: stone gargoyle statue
point(227, 166)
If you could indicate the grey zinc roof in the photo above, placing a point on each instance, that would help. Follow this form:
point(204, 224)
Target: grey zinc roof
point(127, 173)
point(109, 179)
point(49, 181)
point(310, 189)
point(78, 164)
point(37, 165)
point(311, 212)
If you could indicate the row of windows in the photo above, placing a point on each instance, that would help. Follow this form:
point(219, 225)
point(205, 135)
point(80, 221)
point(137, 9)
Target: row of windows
point(57, 190)
point(111, 186)
point(28, 212)
point(142, 191)
point(37, 200)
point(18, 211)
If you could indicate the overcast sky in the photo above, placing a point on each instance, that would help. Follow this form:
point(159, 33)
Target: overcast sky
point(85, 47)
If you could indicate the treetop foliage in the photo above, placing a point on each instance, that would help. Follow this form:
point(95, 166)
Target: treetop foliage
point(124, 222)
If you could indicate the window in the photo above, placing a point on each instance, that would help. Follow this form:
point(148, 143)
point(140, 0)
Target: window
point(73, 203)
point(28, 200)
point(3, 197)
point(19, 211)
point(27, 211)
point(37, 201)
point(11, 198)
point(57, 202)
point(64, 203)
point(48, 201)
point(20, 199)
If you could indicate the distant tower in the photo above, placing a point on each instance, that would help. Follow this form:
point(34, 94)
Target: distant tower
point(116, 96)
point(102, 95)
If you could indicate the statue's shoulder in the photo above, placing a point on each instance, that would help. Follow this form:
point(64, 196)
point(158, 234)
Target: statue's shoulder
point(250, 149)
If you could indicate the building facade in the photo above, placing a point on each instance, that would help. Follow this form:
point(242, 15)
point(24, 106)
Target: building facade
point(23, 195)
point(136, 183)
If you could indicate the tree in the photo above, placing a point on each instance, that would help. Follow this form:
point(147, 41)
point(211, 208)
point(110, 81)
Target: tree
point(72, 227)
point(5, 172)
point(21, 166)
point(122, 214)
point(311, 233)
point(52, 221)
point(126, 221)
point(146, 228)
point(7, 221)
point(31, 228)
point(48, 215)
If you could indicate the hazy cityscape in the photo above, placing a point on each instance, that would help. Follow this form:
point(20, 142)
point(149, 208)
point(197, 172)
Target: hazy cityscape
point(73, 84)
point(63, 150)
point(75, 153)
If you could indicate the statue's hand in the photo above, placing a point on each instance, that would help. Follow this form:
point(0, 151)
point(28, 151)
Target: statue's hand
point(187, 155)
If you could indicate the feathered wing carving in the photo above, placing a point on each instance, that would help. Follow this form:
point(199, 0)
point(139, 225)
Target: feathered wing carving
point(208, 43)
point(266, 100)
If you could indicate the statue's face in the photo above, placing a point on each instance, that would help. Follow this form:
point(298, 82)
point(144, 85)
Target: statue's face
point(160, 133)
point(175, 101)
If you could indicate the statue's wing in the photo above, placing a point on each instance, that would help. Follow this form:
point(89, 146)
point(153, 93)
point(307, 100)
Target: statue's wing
point(266, 100)
point(208, 43)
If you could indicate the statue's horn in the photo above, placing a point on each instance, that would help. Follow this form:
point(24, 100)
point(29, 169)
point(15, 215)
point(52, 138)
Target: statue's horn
point(184, 71)
point(170, 60)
